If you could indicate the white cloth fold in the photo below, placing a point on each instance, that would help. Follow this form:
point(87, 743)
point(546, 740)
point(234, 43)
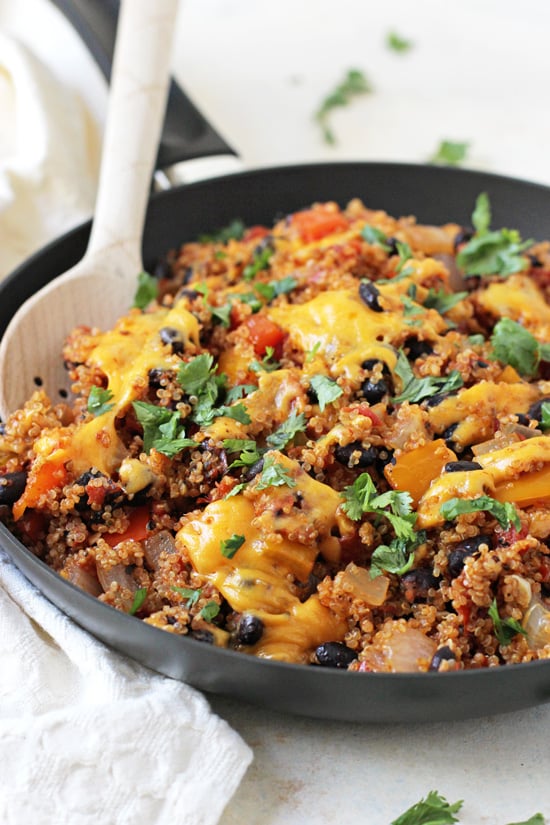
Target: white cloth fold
point(87, 736)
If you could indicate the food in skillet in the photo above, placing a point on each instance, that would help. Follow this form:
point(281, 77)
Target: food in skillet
point(324, 442)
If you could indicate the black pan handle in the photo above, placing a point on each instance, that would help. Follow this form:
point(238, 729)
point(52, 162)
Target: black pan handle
point(185, 134)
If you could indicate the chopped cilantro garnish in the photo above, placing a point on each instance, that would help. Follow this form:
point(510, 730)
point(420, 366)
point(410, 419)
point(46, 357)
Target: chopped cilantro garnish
point(162, 429)
point(222, 313)
point(325, 389)
point(373, 235)
point(196, 374)
point(139, 597)
point(260, 261)
point(198, 379)
point(434, 810)
point(497, 252)
point(450, 153)
point(410, 308)
point(239, 391)
point(396, 557)
point(147, 290)
point(273, 289)
point(190, 594)
point(228, 547)
point(514, 345)
point(286, 431)
point(416, 389)
point(505, 513)
point(274, 475)
point(235, 230)
point(397, 43)
point(238, 488)
point(248, 451)
point(536, 819)
point(311, 353)
point(505, 629)
point(363, 497)
point(267, 364)
point(355, 83)
point(443, 301)
point(476, 340)
point(405, 254)
point(545, 416)
point(98, 401)
point(209, 611)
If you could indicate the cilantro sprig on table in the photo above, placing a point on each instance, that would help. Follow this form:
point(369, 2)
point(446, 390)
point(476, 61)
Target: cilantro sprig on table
point(435, 810)
point(515, 345)
point(450, 153)
point(355, 83)
point(397, 43)
point(505, 513)
point(496, 252)
point(417, 389)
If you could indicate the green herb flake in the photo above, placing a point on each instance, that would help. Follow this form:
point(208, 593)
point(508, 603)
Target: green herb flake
point(273, 289)
point(274, 475)
point(267, 364)
point(228, 547)
point(260, 261)
point(505, 513)
point(536, 819)
point(515, 345)
point(325, 389)
point(233, 231)
point(397, 558)
point(397, 43)
point(248, 451)
point(375, 236)
point(354, 84)
point(162, 429)
point(417, 389)
point(311, 353)
point(410, 308)
point(139, 597)
point(286, 432)
point(505, 629)
point(433, 810)
point(545, 416)
point(450, 153)
point(497, 252)
point(209, 611)
point(194, 375)
point(147, 290)
point(190, 594)
point(222, 314)
point(443, 301)
point(362, 497)
point(98, 401)
point(239, 391)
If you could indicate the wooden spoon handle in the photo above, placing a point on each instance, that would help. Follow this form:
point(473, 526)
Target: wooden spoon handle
point(141, 63)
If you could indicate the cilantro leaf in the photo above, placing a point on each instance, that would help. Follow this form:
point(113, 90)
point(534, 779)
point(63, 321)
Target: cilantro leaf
point(373, 235)
point(497, 252)
point(325, 389)
point(274, 475)
point(239, 391)
point(506, 514)
point(190, 594)
point(286, 431)
point(405, 254)
point(397, 43)
point(260, 261)
point(410, 308)
point(98, 401)
point(514, 345)
point(162, 429)
point(247, 449)
point(450, 153)
point(273, 289)
point(267, 364)
point(545, 416)
point(222, 313)
point(434, 810)
point(443, 301)
point(196, 374)
point(147, 290)
point(355, 83)
point(505, 629)
point(416, 389)
point(139, 597)
point(397, 557)
point(235, 230)
point(209, 611)
point(229, 547)
point(362, 497)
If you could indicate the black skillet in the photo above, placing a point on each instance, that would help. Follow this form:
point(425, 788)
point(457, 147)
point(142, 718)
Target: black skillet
point(435, 195)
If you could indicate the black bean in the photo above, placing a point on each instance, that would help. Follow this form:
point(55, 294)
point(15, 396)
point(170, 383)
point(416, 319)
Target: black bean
point(371, 363)
point(482, 364)
point(534, 261)
point(172, 338)
point(86, 477)
point(417, 348)
point(334, 654)
point(12, 486)
point(202, 636)
point(384, 457)
point(463, 236)
point(391, 242)
point(462, 466)
point(447, 435)
point(249, 629)
point(187, 293)
point(162, 270)
point(459, 553)
point(365, 458)
point(156, 376)
point(254, 469)
point(442, 654)
point(415, 584)
point(370, 295)
point(523, 419)
point(436, 399)
point(187, 275)
point(374, 391)
point(535, 410)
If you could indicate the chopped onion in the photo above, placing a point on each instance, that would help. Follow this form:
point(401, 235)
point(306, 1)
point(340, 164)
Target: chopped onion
point(357, 581)
point(495, 443)
point(408, 650)
point(117, 573)
point(82, 577)
point(537, 624)
point(456, 278)
point(155, 546)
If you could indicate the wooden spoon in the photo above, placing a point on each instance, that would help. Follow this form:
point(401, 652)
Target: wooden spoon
point(101, 287)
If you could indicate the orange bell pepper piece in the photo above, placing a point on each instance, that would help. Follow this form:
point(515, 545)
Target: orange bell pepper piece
point(529, 488)
point(414, 471)
point(136, 530)
point(48, 475)
point(314, 224)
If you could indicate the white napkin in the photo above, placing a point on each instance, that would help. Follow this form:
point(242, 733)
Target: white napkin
point(87, 736)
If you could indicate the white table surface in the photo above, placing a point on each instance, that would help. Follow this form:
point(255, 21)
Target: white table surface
point(478, 72)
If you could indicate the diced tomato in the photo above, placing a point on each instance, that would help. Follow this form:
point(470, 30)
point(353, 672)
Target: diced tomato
point(316, 223)
point(265, 333)
point(136, 530)
point(510, 535)
point(364, 409)
point(255, 233)
point(49, 475)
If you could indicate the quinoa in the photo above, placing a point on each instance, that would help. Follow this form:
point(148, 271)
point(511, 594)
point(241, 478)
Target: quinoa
point(310, 447)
